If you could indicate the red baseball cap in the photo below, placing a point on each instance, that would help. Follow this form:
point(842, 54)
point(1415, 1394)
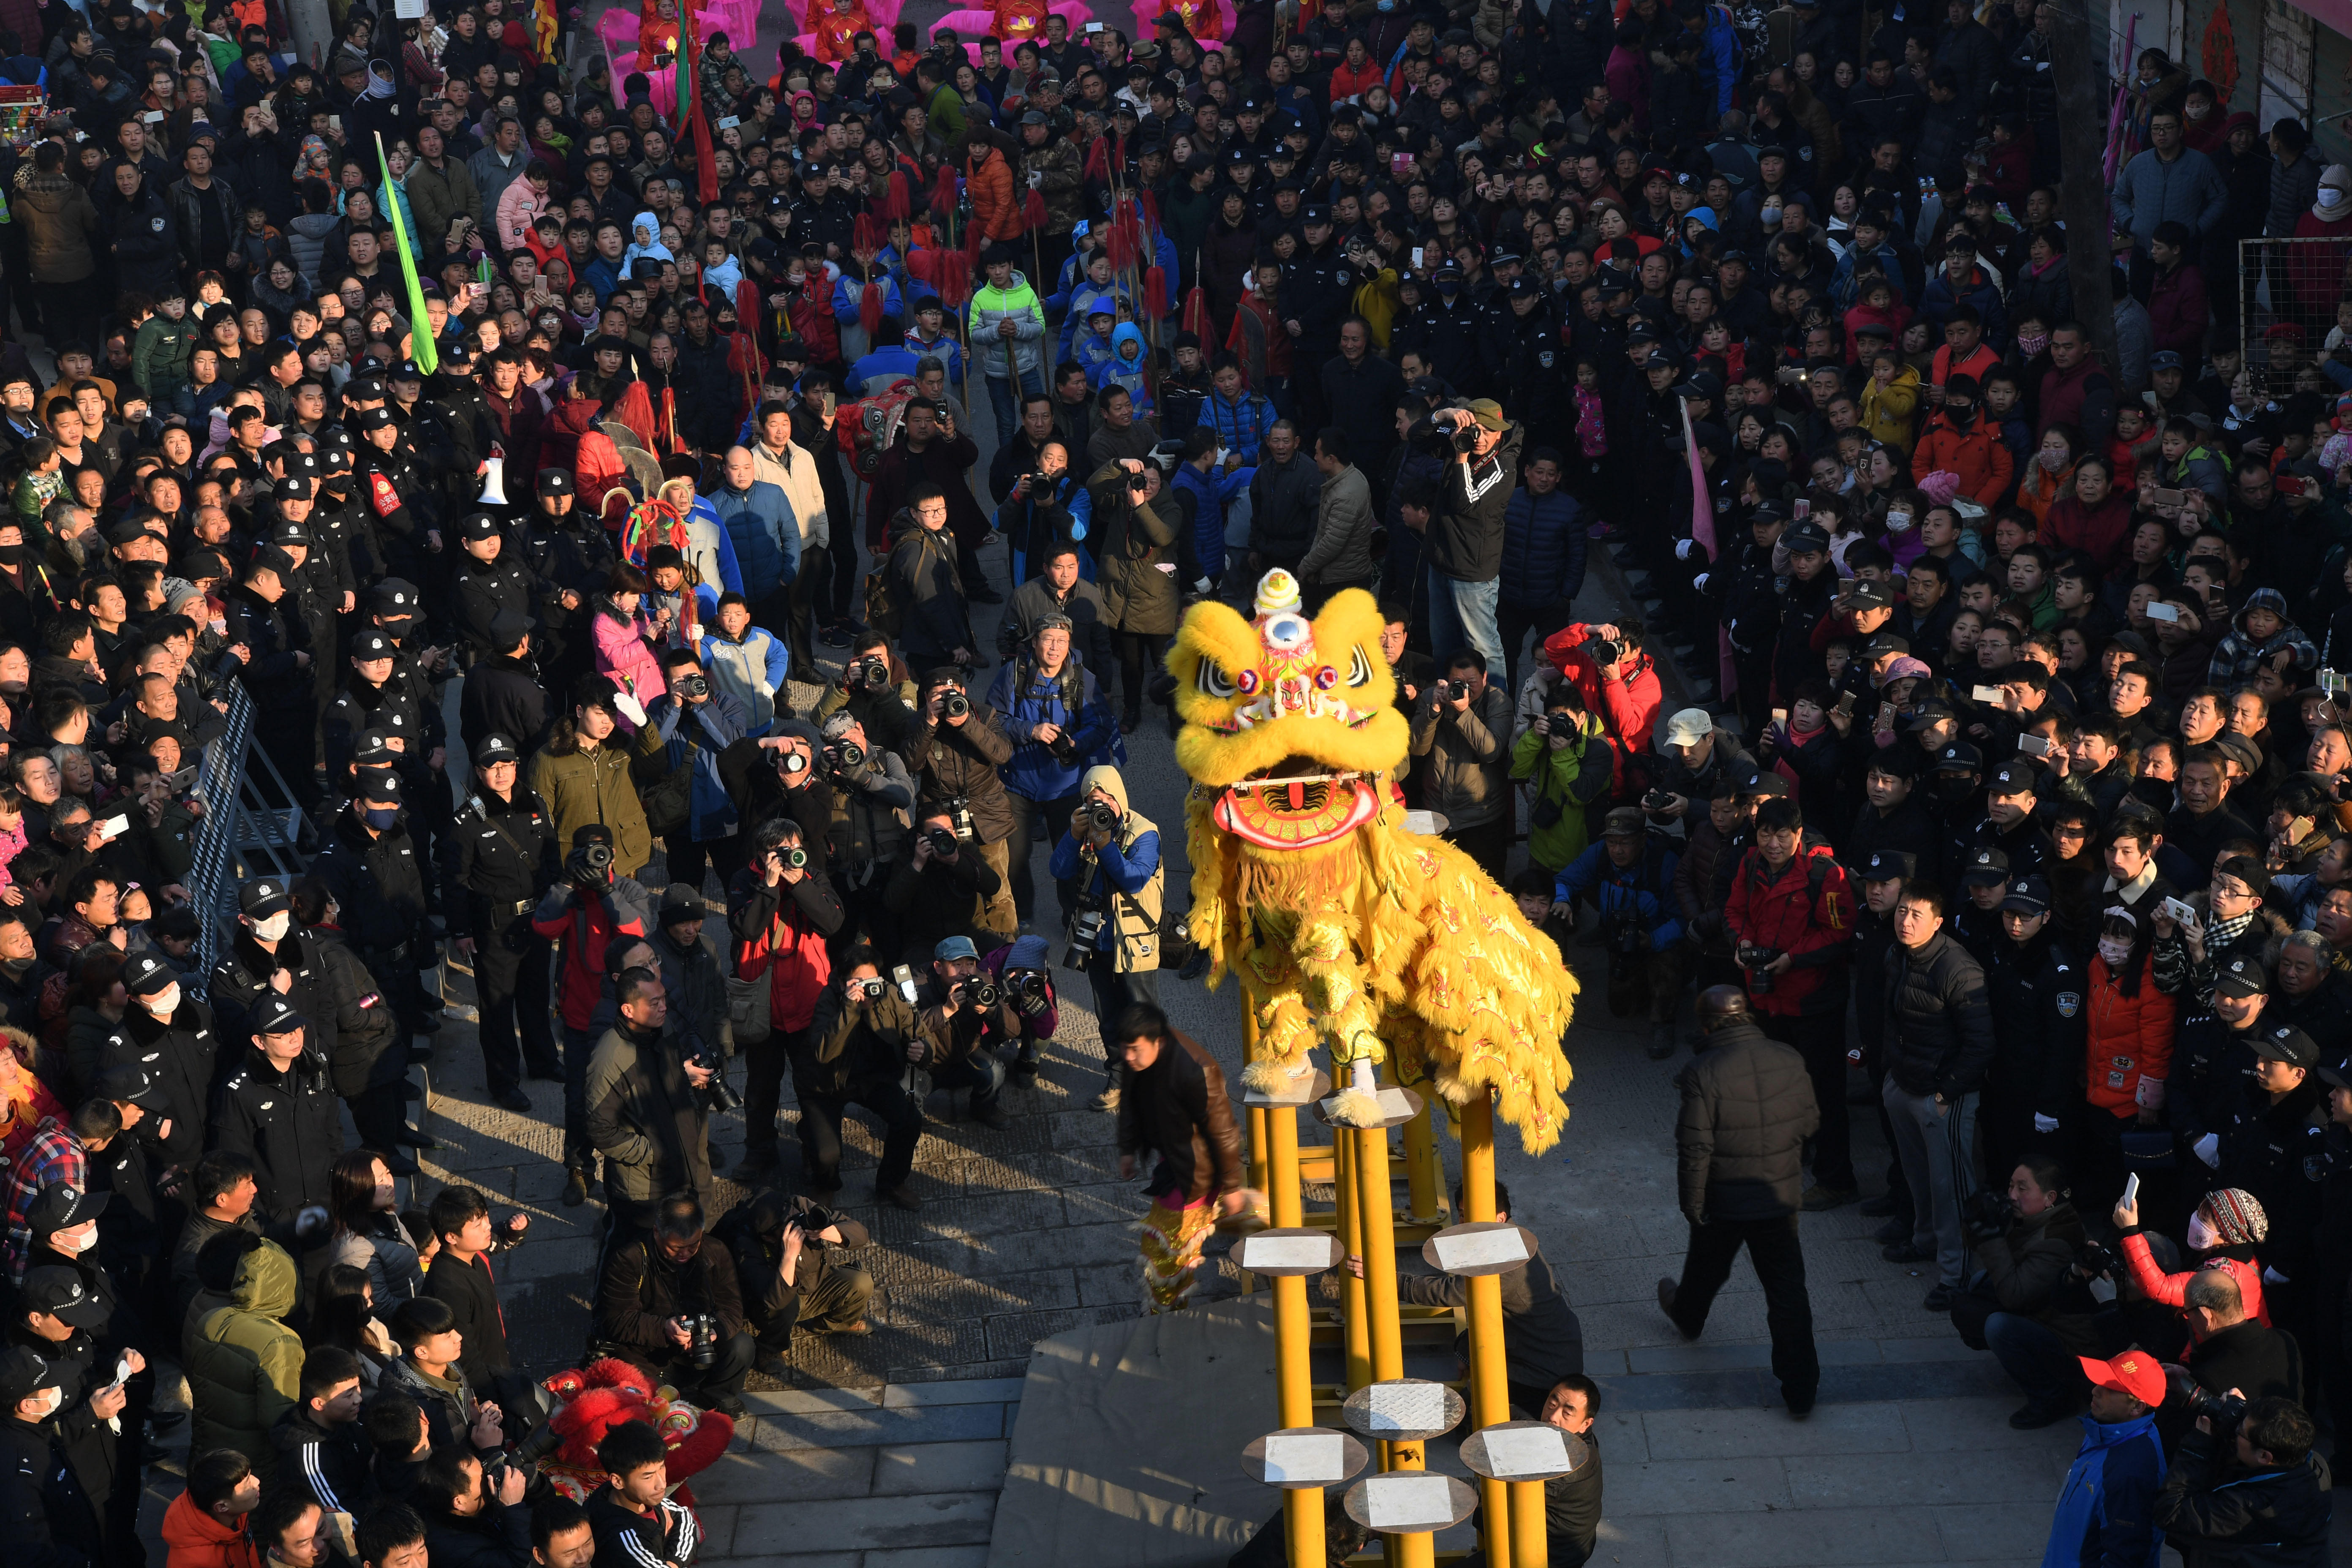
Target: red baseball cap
point(2135, 1372)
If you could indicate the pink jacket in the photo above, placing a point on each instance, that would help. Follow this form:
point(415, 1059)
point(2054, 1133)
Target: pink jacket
point(519, 208)
point(622, 653)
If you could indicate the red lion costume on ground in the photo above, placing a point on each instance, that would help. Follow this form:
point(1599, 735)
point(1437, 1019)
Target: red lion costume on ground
point(609, 1393)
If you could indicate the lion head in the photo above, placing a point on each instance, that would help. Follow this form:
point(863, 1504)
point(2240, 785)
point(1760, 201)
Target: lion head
point(1291, 722)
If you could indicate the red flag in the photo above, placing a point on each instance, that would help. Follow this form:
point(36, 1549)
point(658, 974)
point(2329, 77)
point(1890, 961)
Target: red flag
point(1702, 525)
point(706, 161)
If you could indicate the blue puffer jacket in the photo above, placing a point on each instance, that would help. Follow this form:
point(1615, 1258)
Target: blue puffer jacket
point(2106, 1511)
point(1241, 426)
point(1543, 549)
point(1035, 772)
point(767, 540)
point(1640, 890)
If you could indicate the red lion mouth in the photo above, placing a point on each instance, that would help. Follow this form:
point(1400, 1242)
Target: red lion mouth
point(1296, 805)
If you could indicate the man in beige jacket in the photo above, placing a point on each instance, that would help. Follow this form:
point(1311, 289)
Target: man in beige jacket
point(789, 467)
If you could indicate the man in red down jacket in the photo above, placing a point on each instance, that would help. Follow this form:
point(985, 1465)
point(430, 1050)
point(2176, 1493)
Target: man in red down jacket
point(1790, 916)
point(780, 910)
point(1625, 694)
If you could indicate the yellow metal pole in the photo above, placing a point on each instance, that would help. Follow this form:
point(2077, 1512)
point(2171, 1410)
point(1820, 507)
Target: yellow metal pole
point(1302, 1507)
point(1358, 1331)
point(1489, 1393)
point(1421, 1171)
point(1377, 1216)
point(1261, 1168)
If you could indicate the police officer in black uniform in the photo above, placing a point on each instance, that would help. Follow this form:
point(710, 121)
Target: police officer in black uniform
point(1741, 580)
point(501, 856)
point(570, 558)
point(51, 1521)
point(378, 694)
point(264, 615)
point(405, 516)
point(372, 868)
point(278, 1111)
point(266, 956)
point(338, 522)
point(488, 583)
point(504, 694)
point(64, 1221)
point(168, 1034)
point(2042, 1018)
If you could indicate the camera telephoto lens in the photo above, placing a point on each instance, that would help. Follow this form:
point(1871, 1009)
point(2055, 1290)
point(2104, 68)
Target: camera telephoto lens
point(942, 842)
point(874, 674)
point(851, 753)
point(955, 705)
point(1103, 816)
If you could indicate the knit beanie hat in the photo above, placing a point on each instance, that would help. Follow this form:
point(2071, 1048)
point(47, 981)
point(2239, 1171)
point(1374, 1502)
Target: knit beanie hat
point(2237, 1216)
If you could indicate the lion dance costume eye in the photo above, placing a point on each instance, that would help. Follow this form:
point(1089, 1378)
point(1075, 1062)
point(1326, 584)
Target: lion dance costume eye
point(1346, 928)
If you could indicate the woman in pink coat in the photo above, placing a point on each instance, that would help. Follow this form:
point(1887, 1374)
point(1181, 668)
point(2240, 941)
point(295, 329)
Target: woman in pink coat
point(623, 651)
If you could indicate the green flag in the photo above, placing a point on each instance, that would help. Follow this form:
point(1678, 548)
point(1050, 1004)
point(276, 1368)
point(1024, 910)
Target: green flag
point(420, 325)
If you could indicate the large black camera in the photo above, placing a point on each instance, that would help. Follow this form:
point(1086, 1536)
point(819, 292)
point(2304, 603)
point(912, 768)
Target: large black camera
point(844, 758)
point(977, 990)
point(694, 686)
point(1101, 816)
point(2095, 1258)
point(955, 705)
point(944, 842)
point(590, 865)
point(719, 1097)
point(1987, 1213)
point(2224, 1410)
point(868, 674)
point(1450, 690)
point(1604, 652)
point(1065, 749)
point(703, 1341)
point(1463, 436)
point(1753, 958)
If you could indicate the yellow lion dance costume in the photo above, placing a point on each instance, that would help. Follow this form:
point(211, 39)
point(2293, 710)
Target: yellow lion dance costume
point(1346, 928)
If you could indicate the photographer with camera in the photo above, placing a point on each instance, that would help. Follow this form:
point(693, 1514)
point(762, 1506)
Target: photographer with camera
point(965, 1015)
point(2106, 1515)
point(1463, 543)
point(1111, 861)
point(876, 690)
point(858, 1050)
point(1629, 878)
point(943, 887)
point(2233, 1358)
point(1024, 973)
point(1060, 588)
point(780, 909)
point(2028, 1297)
point(646, 1114)
point(676, 766)
point(583, 775)
point(1140, 525)
point(668, 1302)
point(955, 755)
point(585, 914)
point(2267, 1502)
point(1060, 722)
point(1460, 732)
point(866, 836)
point(787, 1276)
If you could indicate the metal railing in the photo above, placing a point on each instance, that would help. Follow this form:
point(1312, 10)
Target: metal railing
point(241, 833)
point(2287, 293)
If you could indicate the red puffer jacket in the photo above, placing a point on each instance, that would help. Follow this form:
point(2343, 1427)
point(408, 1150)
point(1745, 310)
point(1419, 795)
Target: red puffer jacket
point(2130, 1039)
point(1805, 911)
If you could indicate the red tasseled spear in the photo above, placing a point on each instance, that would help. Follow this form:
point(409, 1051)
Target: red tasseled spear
point(1196, 305)
point(943, 195)
point(1155, 292)
point(896, 200)
point(1032, 211)
point(871, 231)
point(869, 306)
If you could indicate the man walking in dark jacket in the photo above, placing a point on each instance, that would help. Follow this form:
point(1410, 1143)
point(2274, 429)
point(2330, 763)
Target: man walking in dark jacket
point(1175, 1106)
point(1939, 1044)
point(1748, 1109)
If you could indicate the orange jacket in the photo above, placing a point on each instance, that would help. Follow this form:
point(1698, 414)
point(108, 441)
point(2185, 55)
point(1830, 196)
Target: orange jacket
point(990, 181)
point(1019, 19)
point(197, 1540)
point(836, 31)
point(1977, 454)
point(2130, 1038)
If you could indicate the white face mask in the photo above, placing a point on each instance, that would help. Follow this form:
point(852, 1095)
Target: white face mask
point(52, 1401)
point(2201, 1235)
point(83, 1243)
point(163, 1003)
point(2329, 196)
point(2115, 950)
point(1898, 522)
point(275, 928)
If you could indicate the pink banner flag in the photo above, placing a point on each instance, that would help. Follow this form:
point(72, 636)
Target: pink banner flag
point(1702, 529)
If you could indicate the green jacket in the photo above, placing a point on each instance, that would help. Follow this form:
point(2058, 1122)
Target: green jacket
point(581, 787)
point(1023, 353)
point(947, 114)
point(244, 1364)
point(159, 356)
point(1555, 772)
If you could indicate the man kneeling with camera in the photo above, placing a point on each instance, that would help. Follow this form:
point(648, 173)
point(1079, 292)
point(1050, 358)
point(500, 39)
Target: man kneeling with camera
point(669, 1304)
point(965, 1016)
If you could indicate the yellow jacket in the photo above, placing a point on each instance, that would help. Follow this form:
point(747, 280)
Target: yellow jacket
point(1888, 407)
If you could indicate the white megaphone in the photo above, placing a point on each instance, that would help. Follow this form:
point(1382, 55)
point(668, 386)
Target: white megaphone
point(493, 487)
